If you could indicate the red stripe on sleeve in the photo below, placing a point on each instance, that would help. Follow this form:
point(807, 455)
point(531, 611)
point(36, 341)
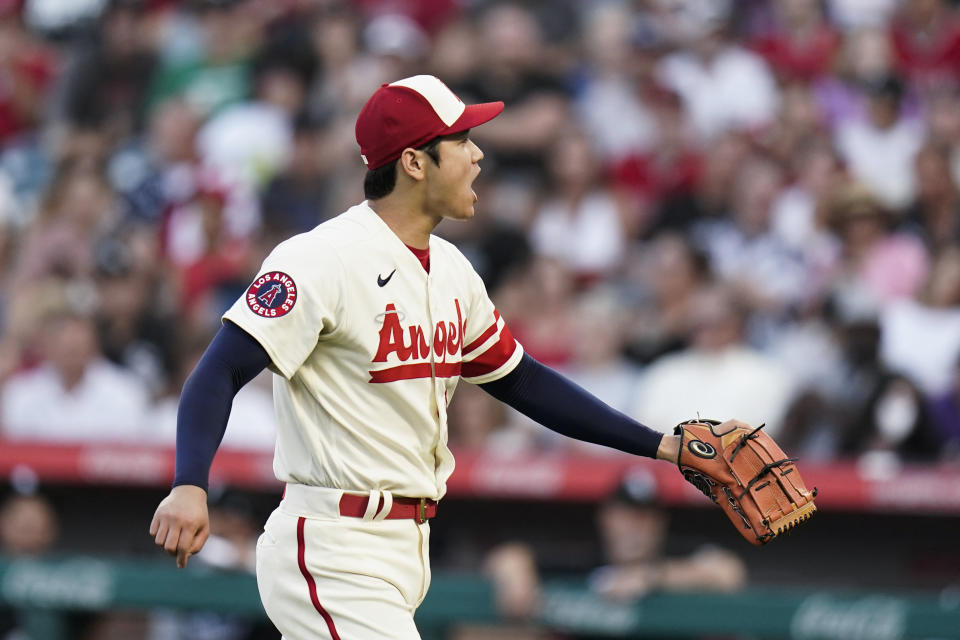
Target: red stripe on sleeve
point(492, 329)
point(311, 585)
point(491, 359)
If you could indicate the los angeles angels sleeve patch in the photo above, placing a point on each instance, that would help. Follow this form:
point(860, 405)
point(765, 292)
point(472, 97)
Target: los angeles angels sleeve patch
point(272, 294)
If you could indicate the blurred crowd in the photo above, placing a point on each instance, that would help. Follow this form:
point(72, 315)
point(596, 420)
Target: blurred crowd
point(745, 209)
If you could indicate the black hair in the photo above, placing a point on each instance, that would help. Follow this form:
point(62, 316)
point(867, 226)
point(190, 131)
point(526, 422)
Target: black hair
point(379, 183)
point(887, 86)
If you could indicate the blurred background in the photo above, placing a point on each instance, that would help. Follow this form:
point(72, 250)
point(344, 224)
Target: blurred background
point(742, 208)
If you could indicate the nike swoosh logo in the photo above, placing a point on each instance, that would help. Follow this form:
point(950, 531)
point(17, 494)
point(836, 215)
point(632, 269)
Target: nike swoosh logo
point(383, 281)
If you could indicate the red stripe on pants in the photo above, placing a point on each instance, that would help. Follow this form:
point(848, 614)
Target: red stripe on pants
point(302, 561)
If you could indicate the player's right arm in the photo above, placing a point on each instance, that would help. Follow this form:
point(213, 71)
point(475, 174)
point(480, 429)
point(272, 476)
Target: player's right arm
point(181, 524)
point(545, 396)
point(495, 361)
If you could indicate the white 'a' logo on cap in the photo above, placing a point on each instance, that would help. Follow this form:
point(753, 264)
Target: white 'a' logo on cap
point(445, 103)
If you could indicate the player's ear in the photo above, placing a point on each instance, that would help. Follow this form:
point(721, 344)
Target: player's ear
point(413, 163)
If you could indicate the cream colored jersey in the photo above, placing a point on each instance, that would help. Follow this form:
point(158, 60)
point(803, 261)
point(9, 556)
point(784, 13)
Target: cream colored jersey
point(369, 348)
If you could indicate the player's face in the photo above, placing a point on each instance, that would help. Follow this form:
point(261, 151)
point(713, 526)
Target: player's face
point(449, 183)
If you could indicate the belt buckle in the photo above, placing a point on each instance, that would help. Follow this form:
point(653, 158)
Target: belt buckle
point(422, 511)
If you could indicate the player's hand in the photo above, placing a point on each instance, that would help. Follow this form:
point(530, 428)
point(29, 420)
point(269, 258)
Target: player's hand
point(181, 524)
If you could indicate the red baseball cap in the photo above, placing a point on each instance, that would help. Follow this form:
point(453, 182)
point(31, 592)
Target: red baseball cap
point(411, 112)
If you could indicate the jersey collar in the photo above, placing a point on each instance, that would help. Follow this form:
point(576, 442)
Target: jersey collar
point(376, 225)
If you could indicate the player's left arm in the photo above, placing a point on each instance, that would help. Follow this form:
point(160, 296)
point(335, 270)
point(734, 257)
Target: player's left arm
point(495, 361)
point(181, 524)
point(543, 395)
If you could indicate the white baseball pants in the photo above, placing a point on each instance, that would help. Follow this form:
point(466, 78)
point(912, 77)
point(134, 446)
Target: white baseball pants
point(323, 576)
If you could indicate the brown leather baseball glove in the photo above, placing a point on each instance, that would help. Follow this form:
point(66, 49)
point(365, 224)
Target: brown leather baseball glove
point(743, 470)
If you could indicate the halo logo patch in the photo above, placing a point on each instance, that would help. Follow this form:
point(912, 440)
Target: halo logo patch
point(272, 295)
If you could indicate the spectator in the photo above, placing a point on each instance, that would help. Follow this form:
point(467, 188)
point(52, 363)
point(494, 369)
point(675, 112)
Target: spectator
point(632, 527)
point(824, 413)
point(796, 216)
point(202, 213)
point(633, 531)
point(398, 42)
point(453, 54)
point(581, 225)
point(742, 249)
point(109, 76)
point(610, 104)
point(801, 45)
point(28, 526)
point(513, 72)
point(658, 184)
point(156, 175)
point(866, 55)
point(878, 265)
point(828, 382)
point(681, 209)
point(862, 405)
point(135, 330)
point(78, 208)
point(24, 325)
point(920, 337)
point(220, 268)
point(27, 70)
point(598, 363)
point(723, 85)
point(74, 395)
point(219, 73)
point(250, 141)
point(513, 570)
point(926, 40)
point(298, 198)
point(544, 325)
point(880, 149)
point(893, 426)
point(28, 529)
point(800, 121)
point(671, 275)
point(346, 75)
point(717, 375)
point(935, 213)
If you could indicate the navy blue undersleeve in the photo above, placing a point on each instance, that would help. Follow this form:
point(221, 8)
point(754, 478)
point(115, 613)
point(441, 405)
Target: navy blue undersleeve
point(233, 359)
point(543, 395)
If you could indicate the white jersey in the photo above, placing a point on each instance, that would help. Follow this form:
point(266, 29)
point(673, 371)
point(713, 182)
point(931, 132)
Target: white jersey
point(370, 348)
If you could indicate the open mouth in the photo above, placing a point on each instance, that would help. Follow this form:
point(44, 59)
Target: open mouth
point(474, 193)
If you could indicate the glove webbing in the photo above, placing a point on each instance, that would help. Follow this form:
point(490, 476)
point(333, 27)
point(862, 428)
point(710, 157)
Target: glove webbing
point(743, 441)
point(789, 487)
point(765, 458)
point(768, 446)
point(764, 471)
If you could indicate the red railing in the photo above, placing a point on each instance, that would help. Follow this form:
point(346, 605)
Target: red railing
point(842, 486)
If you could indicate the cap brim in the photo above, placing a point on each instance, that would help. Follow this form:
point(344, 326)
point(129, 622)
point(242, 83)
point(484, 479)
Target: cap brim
point(475, 115)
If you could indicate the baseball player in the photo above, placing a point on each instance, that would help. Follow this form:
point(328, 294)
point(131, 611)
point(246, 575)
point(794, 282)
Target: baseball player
point(370, 322)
